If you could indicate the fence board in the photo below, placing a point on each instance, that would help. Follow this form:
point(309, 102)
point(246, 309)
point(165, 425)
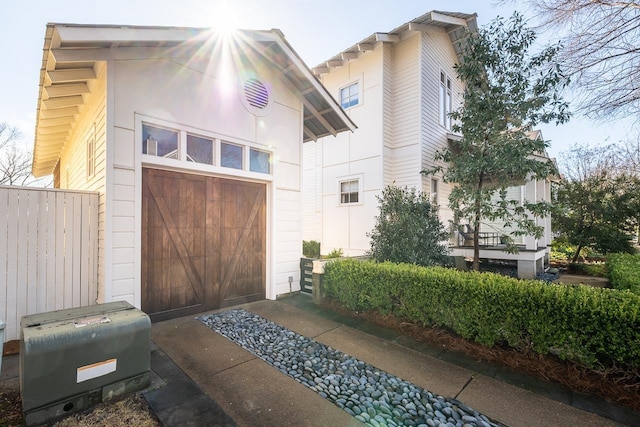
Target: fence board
point(48, 252)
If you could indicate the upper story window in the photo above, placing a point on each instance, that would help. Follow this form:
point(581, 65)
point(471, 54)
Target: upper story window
point(349, 191)
point(350, 96)
point(446, 105)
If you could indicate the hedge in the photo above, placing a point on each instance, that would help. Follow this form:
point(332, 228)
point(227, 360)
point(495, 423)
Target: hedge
point(596, 327)
point(624, 272)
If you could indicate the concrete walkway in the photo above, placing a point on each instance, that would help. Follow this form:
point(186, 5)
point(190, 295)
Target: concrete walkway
point(200, 378)
point(252, 393)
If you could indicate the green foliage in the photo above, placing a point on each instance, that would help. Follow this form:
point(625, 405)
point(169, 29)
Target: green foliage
point(593, 326)
point(407, 229)
point(624, 272)
point(335, 253)
point(508, 93)
point(595, 269)
point(311, 248)
point(599, 211)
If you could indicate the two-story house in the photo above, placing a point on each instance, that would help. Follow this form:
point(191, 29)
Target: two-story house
point(399, 87)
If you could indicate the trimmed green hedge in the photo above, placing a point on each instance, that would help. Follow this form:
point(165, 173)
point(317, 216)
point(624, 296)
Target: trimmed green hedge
point(624, 272)
point(593, 326)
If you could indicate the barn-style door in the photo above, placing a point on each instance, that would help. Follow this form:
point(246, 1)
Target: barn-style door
point(203, 243)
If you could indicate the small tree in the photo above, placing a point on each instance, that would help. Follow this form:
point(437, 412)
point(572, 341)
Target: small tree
point(598, 202)
point(407, 229)
point(15, 160)
point(508, 93)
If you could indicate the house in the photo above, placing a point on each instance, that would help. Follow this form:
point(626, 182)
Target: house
point(399, 87)
point(193, 140)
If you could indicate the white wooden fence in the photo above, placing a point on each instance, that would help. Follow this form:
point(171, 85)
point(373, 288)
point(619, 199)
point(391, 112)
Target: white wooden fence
point(48, 252)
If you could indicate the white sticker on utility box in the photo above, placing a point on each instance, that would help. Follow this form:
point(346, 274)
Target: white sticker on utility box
point(96, 370)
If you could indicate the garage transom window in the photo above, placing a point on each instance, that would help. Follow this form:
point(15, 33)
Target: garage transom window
point(183, 145)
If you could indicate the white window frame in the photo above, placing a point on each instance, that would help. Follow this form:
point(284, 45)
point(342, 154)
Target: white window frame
point(181, 161)
point(445, 100)
point(434, 191)
point(346, 179)
point(347, 86)
point(91, 153)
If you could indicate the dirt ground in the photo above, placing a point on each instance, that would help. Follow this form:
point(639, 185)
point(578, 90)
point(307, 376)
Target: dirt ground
point(130, 411)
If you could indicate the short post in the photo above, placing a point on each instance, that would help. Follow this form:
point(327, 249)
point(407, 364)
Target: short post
point(318, 292)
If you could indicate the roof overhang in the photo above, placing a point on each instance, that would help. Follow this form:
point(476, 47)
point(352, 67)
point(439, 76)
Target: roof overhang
point(73, 55)
point(455, 24)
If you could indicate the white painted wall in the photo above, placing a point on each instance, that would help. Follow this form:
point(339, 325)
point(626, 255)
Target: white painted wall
point(398, 134)
point(436, 55)
point(201, 98)
point(73, 161)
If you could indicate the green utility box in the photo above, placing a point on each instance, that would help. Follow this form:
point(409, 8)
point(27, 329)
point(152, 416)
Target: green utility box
point(73, 359)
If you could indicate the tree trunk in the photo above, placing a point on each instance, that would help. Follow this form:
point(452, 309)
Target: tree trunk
point(576, 255)
point(476, 238)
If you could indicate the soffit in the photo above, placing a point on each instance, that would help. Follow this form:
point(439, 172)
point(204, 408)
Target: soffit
point(454, 23)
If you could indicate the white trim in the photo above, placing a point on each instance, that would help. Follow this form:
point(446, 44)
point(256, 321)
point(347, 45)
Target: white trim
point(108, 196)
point(182, 164)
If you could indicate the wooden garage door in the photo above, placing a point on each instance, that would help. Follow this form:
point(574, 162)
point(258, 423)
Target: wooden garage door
point(203, 243)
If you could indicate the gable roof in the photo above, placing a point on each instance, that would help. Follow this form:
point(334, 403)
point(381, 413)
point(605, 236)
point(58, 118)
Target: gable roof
point(454, 24)
point(71, 53)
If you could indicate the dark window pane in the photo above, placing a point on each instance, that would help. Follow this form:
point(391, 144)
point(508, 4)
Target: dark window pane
point(349, 192)
point(199, 150)
point(159, 142)
point(230, 156)
point(259, 161)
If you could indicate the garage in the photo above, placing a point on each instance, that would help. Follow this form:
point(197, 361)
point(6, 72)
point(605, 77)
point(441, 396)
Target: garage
point(203, 242)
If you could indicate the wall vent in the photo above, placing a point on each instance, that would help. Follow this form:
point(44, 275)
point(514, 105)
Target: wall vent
point(256, 94)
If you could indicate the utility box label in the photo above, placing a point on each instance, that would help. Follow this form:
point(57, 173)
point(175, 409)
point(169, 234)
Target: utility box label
point(95, 370)
point(91, 321)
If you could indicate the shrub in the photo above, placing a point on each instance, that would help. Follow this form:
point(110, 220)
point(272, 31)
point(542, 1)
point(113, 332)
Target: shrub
point(311, 248)
point(335, 253)
point(593, 326)
point(407, 229)
point(624, 272)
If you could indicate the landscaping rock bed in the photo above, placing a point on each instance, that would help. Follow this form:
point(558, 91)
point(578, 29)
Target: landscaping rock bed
point(371, 395)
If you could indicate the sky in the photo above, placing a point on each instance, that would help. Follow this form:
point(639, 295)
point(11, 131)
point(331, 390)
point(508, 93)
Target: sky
point(317, 30)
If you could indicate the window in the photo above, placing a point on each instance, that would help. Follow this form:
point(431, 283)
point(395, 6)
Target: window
point(159, 142)
point(349, 192)
point(199, 150)
point(445, 101)
point(349, 96)
point(167, 143)
point(434, 191)
point(259, 161)
point(230, 155)
point(91, 154)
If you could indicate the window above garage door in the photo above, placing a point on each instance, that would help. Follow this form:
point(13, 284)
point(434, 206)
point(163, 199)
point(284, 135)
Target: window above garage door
point(179, 146)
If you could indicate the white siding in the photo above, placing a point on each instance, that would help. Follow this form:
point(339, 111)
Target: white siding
point(73, 161)
point(515, 193)
point(436, 55)
point(136, 94)
point(312, 191)
point(405, 109)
